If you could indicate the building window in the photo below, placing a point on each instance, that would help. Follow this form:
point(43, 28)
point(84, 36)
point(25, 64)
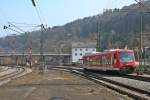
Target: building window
point(80, 54)
point(80, 49)
point(86, 49)
point(93, 49)
point(75, 49)
point(75, 54)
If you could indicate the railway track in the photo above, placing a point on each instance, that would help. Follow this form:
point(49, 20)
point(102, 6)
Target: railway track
point(148, 73)
point(7, 77)
point(7, 72)
point(129, 76)
point(135, 77)
point(133, 92)
point(145, 77)
point(4, 69)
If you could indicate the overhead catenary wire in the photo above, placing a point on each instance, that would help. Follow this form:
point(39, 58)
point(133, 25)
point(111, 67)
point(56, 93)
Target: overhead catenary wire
point(5, 19)
point(38, 11)
point(23, 23)
point(33, 28)
point(13, 24)
point(29, 27)
point(41, 15)
point(6, 27)
point(16, 27)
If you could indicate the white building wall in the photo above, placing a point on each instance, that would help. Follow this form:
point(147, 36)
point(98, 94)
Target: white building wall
point(77, 53)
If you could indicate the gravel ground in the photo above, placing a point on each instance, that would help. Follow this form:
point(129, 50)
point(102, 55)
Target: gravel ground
point(135, 83)
point(56, 85)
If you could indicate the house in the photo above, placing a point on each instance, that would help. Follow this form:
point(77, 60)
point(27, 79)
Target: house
point(79, 49)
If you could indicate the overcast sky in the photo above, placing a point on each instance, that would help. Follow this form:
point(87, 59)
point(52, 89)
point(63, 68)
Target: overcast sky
point(52, 12)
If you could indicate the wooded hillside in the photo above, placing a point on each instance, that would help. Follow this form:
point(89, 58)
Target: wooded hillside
point(118, 27)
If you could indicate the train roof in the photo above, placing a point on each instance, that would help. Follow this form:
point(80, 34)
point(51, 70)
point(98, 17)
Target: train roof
point(92, 53)
point(119, 50)
point(108, 52)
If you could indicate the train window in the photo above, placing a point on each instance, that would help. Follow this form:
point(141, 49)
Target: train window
point(80, 54)
point(94, 61)
point(108, 60)
point(126, 56)
point(103, 60)
point(98, 60)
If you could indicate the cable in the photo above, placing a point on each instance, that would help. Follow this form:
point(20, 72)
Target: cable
point(32, 29)
point(38, 15)
point(42, 17)
point(24, 23)
point(4, 18)
point(38, 12)
point(5, 27)
point(16, 27)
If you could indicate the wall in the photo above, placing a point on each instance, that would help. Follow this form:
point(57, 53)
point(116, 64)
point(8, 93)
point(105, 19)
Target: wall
point(77, 53)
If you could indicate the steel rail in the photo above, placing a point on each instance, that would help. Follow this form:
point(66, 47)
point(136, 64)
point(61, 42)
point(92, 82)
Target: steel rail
point(4, 69)
point(129, 76)
point(117, 83)
point(137, 77)
point(11, 75)
point(2, 76)
point(147, 72)
point(132, 92)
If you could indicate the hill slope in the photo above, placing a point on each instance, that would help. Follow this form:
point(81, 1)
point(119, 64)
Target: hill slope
point(118, 27)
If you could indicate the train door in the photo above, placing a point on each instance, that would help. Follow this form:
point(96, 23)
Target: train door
point(114, 59)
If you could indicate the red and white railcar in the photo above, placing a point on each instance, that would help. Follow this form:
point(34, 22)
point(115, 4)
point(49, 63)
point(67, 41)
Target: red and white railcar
point(121, 60)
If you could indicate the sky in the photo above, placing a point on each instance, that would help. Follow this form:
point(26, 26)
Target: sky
point(52, 12)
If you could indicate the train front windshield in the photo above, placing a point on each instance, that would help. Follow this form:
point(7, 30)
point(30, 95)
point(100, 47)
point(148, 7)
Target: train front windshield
point(126, 56)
